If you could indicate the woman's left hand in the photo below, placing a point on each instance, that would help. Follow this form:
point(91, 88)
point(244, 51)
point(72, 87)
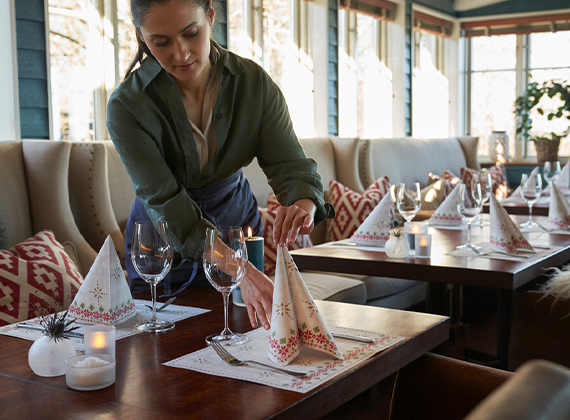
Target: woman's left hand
point(294, 220)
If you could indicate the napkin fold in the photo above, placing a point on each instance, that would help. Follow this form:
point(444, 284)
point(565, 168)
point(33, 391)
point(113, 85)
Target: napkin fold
point(505, 235)
point(295, 320)
point(563, 180)
point(104, 297)
point(559, 210)
point(375, 230)
point(447, 213)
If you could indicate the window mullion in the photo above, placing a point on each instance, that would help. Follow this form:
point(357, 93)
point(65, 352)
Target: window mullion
point(521, 149)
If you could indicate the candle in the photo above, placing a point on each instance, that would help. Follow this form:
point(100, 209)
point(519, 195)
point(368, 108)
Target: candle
point(255, 255)
point(90, 371)
point(423, 246)
point(411, 229)
point(99, 339)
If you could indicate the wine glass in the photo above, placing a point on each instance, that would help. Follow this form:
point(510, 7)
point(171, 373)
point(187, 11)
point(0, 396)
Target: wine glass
point(483, 178)
point(409, 200)
point(550, 171)
point(469, 205)
point(152, 255)
point(225, 264)
point(531, 188)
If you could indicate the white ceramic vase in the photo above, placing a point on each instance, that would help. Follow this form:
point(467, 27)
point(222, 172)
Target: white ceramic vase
point(47, 357)
point(397, 247)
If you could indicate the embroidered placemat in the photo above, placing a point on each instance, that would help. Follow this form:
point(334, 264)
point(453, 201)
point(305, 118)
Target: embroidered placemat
point(320, 367)
point(345, 243)
point(490, 254)
point(547, 230)
point(173, 313)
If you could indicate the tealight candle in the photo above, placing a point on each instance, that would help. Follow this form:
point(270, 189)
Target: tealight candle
point(90, 371)
point(255, 255)
point(411, 229)
point(423, 246)
point(99, 339)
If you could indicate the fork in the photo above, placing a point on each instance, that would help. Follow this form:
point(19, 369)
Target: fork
point(231, 360)
point(168, 302)
point(481, 253)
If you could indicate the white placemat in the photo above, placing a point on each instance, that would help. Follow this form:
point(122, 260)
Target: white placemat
point(485, 247)
point(540, 230)
point(173, 313)
point(345, 243)
point(543, 199)
point(449, 227)
point(321, 368)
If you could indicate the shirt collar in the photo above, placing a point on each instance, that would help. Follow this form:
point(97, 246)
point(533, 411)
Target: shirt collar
point(150, 68)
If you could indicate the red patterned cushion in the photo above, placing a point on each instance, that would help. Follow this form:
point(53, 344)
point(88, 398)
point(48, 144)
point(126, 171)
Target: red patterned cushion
point(352, 208)
point(268, 216)
point(498, 178)
point(449, 178)
point(41, 276)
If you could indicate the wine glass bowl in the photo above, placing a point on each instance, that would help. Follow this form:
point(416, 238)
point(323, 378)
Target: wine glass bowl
point(531, 189)
point(152, 254)
point(469, 205)
point(483, 178)
point(550, 171)
point(409, 200)
point(225, 264)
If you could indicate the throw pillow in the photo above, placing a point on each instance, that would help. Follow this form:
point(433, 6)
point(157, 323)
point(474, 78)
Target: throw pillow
point(449, 178)
point(498, 179)
point(3, 236)
point(36, 276)
point(352, 208)
point(268, 216)
point(434, 194)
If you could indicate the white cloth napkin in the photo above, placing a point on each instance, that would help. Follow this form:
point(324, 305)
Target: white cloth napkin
point(295, 320)
point(563, 180)
point(375, 230)
point(559, 210)
point(104, 297)
point(447, 213)
point(505, 235)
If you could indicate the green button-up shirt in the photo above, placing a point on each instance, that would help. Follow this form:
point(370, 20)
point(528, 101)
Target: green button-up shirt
point(148, 124)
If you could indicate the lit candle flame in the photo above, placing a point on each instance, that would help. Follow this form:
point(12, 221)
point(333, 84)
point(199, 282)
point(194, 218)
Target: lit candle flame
point(249, 232)
point(99, 341)
point(415, 229)
point(423, 242)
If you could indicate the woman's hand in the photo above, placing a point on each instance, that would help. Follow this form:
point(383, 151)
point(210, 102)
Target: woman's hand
point(294, 220)
point(257, 294)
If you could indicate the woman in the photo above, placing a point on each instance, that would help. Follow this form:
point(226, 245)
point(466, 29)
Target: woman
point(185, 123)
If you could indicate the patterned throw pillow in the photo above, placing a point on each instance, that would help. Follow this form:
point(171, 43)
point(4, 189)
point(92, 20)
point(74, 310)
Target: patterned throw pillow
point(38, 276)
point(352, 208)
point(498, 179)
point(268, 216)
point(448, 177)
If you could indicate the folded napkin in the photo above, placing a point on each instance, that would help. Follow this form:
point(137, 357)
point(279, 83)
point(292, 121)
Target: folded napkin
point(505, 235)
point(516, 193)
point(296, 320)
point(563, 180)
point(559, 211)
point(447, 213)
point(375, 230)
point(104, 297)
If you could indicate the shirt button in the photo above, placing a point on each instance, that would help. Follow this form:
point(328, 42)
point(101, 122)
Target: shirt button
point(218, 115)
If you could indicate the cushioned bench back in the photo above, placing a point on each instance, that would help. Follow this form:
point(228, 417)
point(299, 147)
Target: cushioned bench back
point(411, 160)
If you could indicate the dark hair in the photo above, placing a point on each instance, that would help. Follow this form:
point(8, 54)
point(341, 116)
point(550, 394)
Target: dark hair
point(139, 12)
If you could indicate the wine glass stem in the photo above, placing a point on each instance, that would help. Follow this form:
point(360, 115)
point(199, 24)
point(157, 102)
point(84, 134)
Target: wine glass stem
point(469, 232)
point(530, 212)
point(226, 328)
point(153, 293)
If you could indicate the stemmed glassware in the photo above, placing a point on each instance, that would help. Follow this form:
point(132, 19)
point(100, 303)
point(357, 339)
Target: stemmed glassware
point(531, 188)
point(469, 205)
point(483, 178)
point(409, 200)
point(550, 171)
point(152, 255)
point(225, 263)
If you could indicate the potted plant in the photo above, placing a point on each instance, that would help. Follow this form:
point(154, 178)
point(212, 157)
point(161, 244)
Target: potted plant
point(546, 143)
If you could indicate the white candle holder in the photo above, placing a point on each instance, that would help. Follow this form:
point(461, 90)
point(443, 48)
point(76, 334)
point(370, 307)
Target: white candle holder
point(99, 339)
point(88, 372)
point(411, 229)
point(423, 246)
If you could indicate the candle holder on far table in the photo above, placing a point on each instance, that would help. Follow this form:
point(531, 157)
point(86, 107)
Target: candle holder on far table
point(423, 246)
point(411, 229)
point(256, 256)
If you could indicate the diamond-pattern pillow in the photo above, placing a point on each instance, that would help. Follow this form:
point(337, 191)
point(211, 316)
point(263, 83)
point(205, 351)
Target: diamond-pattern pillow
point(38, 276)
point(268, 216)
point(449, 178)
point(352, 208)
point(498, 179)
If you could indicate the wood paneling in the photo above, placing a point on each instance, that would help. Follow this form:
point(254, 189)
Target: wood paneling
point(33, 93)
point(30, 10)
point(34, 123)
point(32, 64)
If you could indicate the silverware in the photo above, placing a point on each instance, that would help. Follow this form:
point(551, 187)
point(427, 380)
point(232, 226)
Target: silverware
point(545, 228)
point(485, 253)
point(40, 328)
point(344, 244)
point(231, 360)
point(353, 337)
point(168, 302)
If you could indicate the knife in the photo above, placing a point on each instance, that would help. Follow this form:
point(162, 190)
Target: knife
point(40, 328)
point(353, 337)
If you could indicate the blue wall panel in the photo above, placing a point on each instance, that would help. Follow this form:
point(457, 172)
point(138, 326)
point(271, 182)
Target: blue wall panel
point(34, 123)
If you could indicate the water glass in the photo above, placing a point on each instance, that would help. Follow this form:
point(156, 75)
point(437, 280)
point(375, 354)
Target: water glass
point(531, 189)
point(550, 171)
point(409, 200)
point(469, 205)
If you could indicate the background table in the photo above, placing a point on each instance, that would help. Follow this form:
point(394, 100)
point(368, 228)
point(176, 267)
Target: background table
point(146, 388)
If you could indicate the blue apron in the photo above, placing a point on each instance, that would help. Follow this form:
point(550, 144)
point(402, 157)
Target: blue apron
point(229, 203)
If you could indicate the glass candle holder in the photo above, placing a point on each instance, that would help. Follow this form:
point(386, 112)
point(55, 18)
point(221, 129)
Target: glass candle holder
point(90, 371)
point(423, 246)
point(99, 339)
point(411, 229)
point(256, 257)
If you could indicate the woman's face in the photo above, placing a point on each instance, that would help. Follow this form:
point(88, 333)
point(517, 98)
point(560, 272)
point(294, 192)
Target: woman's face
point(177, 33)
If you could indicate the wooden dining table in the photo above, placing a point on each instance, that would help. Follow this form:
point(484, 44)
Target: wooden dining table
point(145, 388)
point(443, 269)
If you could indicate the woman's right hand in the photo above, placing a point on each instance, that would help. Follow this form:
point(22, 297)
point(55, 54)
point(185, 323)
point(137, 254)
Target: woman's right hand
point(257, 294)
